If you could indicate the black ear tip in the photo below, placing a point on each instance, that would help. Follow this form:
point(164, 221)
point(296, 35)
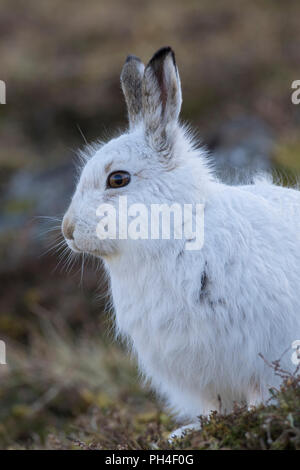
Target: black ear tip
point(162, 53)
point(131, 57)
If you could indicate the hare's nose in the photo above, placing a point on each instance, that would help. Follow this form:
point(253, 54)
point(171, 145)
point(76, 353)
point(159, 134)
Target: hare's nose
point(68, 228)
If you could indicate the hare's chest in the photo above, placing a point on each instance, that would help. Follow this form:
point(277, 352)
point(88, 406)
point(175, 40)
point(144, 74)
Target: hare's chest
point(156, 317)
point(165, 348)
point(163, 352)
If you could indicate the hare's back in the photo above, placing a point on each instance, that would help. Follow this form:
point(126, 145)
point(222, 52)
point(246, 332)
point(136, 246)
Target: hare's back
point(286, 200)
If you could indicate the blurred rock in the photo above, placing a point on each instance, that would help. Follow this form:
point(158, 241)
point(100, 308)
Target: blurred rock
point(28, 206)
point(242, 148)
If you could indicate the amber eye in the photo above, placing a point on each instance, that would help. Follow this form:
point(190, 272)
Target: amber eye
point(118, 179)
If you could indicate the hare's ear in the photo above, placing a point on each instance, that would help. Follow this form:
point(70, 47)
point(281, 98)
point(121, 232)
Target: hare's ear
point(131, 82)
point(161, 97)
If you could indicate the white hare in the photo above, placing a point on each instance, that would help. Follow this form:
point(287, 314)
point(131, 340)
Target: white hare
point(197, 320)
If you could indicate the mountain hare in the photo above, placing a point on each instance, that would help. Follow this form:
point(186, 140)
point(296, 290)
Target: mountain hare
point(197, 320)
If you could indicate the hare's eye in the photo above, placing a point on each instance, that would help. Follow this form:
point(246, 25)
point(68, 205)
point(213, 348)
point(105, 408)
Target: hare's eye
point(118, 179)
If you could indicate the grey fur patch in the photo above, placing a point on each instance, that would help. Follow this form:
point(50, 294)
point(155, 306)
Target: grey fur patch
point(131, 82)
point(204, 281)
point(161, 97)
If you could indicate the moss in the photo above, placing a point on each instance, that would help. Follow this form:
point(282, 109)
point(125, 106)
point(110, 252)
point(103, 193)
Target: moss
point(18, 206)
point(275, 427)
point(289, 155)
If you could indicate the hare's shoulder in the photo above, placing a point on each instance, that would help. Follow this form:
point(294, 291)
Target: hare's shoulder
point(262, 195)
point(249, 210)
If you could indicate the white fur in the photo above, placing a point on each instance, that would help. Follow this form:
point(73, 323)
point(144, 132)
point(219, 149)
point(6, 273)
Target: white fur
point(196, 320)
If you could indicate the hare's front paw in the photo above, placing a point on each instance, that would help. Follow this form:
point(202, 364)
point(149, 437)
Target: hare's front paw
point(183, 430)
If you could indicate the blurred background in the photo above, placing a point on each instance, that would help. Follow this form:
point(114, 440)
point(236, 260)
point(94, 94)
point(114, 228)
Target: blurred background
point(66, 381)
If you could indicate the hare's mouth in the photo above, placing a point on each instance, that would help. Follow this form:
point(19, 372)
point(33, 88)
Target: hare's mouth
point(72, 245)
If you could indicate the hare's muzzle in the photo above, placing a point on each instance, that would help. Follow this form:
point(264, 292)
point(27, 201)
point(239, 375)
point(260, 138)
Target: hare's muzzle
point(68, 227)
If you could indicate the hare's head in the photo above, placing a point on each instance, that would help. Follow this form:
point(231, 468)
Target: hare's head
point(153, 163)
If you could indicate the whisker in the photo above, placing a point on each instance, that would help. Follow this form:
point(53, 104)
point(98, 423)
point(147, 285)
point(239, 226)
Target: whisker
point(56, 228)
point(54, 247)
point(71, 262)
point(82, 269)
point(82, 134)
point(62, 259)
point(57, 249)
point(48, 217)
